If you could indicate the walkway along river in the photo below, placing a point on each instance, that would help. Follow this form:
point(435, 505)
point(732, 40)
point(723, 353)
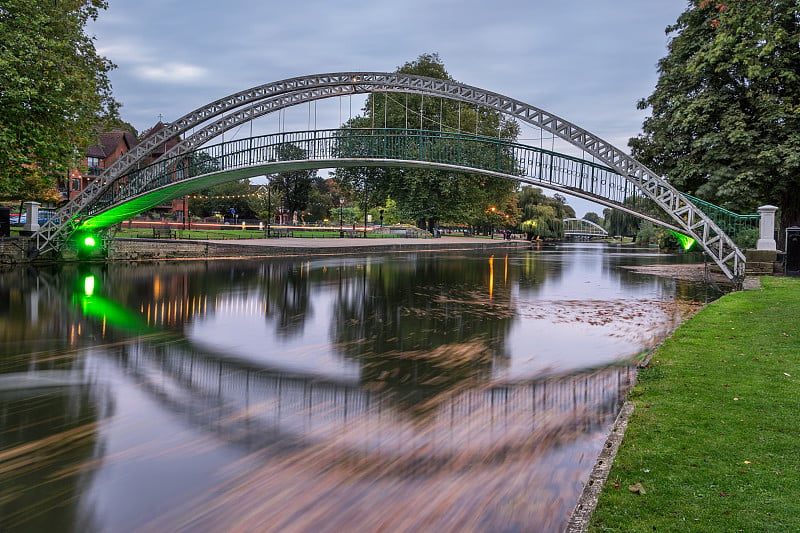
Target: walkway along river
point(457, 391)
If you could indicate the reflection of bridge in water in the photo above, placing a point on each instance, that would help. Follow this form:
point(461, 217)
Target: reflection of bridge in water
point(257, 408)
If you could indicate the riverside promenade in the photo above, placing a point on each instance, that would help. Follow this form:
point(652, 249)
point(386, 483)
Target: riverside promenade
point(361, 243)
point(154, 249)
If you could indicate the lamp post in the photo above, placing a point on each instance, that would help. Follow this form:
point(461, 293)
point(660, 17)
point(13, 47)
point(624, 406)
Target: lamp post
point(365, 207)
point(491, 222)
point(341, 207)
point(269, 204)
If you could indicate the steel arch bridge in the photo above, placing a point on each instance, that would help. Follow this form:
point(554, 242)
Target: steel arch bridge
point(580, 227)
point(232, 111)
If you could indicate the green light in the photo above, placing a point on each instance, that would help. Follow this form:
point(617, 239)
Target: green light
point(88, 285)
point(686, 241)
point(89, 242)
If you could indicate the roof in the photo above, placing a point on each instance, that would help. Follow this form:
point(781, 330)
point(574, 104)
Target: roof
point(109, 141)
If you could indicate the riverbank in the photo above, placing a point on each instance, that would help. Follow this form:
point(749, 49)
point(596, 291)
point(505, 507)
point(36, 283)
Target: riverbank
point(712, 442)
point(157, 249)
point(14, 250)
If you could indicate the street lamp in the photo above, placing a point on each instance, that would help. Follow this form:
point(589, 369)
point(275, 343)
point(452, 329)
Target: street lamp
point(491, 222)
point(269, 204)
point(341, 206)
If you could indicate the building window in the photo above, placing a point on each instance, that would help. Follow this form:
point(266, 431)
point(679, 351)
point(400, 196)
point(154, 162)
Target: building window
point(94, 165)
point(76, 184)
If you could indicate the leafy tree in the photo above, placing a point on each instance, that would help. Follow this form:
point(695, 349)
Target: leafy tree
point(543, 216)
point(294, 186)
point(624, 224)
point(647, 233)
point(54, 92)
point(425, 195)
point(543, 223)
point(531, 197)
point(265, 202)
point(591, 216)
point(320, 199)
point(222, 198)
point(725, 122)
point(118, 123)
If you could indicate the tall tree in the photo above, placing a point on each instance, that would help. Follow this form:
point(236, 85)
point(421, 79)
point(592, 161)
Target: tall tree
point(725, 122)
point(425, 195)
point(295, 185)
point(231, 200)
point(54, 91)
point(591, 216)
point(543, 216)
point(320, 199)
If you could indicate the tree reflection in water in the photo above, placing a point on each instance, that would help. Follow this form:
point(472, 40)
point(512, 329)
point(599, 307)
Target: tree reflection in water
point(422, 331)
point(429, 432)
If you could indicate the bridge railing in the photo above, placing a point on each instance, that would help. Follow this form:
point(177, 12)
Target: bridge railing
point(463, 151)
point(734, 224)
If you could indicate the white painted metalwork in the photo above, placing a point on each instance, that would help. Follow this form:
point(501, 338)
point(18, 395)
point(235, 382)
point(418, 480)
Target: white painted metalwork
point(246, 105)
point(580, 226)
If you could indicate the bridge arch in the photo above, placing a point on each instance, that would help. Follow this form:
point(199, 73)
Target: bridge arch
point(581, 226)
point(246, 105)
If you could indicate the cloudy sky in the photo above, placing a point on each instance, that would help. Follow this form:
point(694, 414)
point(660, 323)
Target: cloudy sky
point(588, 61)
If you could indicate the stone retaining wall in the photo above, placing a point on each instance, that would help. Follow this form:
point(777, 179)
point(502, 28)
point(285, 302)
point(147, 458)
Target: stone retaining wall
point(153, 249)
point(13, 250)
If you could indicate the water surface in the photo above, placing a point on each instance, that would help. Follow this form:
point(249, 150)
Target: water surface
point(431, 391)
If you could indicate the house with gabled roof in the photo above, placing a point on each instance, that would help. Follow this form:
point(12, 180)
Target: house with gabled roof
point(111, 145)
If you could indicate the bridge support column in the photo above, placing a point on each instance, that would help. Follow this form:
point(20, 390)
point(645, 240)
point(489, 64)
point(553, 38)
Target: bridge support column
point(763, 259)
point(766, 237)
point(31, 216)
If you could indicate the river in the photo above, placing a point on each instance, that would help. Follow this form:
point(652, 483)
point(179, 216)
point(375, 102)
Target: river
point(458, 391)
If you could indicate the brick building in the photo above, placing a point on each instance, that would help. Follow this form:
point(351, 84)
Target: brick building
point(111, 145)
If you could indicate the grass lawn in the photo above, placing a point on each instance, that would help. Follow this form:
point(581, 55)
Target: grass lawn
point(714, 441)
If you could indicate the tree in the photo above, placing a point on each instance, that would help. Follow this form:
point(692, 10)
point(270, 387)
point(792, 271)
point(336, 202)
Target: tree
point(295, 185)
point(543, 217)
point(265, 201)
point(591, 216)
point(227, 199)
point(725, 122)
point(426, 195)
point(54, 93)
point(320, 199)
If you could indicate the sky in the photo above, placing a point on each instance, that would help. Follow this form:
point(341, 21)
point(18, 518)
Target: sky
point(586, 61)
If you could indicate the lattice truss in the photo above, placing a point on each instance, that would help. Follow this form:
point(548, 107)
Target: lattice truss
point(212, 120)
point(579, 226)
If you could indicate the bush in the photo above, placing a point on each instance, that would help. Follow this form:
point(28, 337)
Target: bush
point(646, 234)
point(747, 238)
point(667, 242)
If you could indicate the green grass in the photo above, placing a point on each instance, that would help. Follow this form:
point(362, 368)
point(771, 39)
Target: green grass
point(715, 436)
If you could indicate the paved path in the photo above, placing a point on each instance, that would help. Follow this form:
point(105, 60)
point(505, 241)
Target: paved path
point(299, 242)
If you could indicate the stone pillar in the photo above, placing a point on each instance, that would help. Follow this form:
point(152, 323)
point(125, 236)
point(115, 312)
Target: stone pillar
point(31, 216)
point(766, 237)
